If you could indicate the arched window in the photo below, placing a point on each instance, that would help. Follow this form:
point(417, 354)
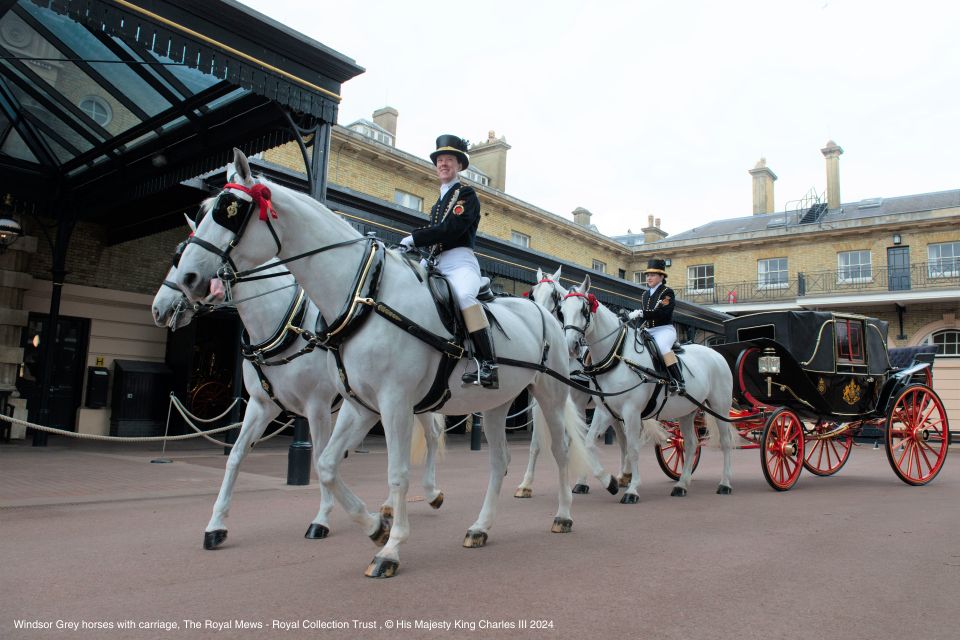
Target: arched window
point(98, 110)
point(947, 341)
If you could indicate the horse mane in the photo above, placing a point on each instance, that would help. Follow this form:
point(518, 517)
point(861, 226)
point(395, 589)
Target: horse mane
point(306, 199)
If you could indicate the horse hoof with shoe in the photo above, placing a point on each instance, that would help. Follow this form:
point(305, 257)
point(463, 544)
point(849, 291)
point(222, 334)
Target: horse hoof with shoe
point(316, 531)
point(213, 539)
point(382, 534)
point(614, 486)
point(678, 492)
point(523, 492)
point(562, 525)
point(581, 489)
point(437, 502)
point(475, 539)
point(630, 498)
point(382, 568)
point(724, 490)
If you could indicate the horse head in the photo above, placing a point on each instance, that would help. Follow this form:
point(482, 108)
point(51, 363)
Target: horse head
point(548, 292)
point(577, 308)
point(225, 242)
point(170, 306)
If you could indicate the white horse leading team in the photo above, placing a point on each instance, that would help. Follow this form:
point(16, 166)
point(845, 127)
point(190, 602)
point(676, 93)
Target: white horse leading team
point(373, 314)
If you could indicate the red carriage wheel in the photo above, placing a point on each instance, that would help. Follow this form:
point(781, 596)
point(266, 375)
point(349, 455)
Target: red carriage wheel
point(210, 399)
point(670, 456)
point(827, 456)
point(918, 435)
point(782, 449)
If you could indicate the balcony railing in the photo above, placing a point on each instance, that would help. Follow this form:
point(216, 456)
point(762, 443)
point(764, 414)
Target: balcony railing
point(856, 280)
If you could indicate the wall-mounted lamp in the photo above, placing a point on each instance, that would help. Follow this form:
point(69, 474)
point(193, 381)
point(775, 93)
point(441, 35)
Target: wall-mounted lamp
point(897, 239)
point(668, 262)
point(10, 229)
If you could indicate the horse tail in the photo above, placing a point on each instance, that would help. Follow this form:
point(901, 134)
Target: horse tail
point(655, 431)
point(714, 427)
point(435, 427)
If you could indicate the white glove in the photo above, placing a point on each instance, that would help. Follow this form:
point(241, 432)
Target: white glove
point(635, 314)
point(407, 243)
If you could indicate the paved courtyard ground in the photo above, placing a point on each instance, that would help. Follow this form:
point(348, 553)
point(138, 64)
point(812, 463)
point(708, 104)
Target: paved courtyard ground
point(100, 543)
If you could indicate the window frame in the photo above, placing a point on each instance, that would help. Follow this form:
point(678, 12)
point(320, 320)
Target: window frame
point(934, 265)
point(941, 351)
point(400, 197)
point(523, 237)
point(762, 284)
point(841, 268)
point(709, 279)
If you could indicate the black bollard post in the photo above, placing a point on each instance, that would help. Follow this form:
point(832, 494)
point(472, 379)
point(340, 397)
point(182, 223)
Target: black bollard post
point(608, 436)
point(476, 429)
point(299, 454)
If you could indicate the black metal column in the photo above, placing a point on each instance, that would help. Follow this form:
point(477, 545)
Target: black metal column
point(476, 430)
point(300, 453)
point(317, 171)
point(58, 272)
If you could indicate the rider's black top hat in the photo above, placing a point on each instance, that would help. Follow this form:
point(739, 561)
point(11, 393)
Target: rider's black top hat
point(453, 145)
point(656, 265)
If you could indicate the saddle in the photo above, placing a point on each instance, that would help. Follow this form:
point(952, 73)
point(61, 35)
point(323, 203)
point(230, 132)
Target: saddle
point(447, 308)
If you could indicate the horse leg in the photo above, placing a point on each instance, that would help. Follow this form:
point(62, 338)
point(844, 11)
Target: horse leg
point(633, 437)
point(433, 433)
point(610, 483)
point(494, 428)
point(726, 443)
point(352, 425)
point(690, 442)
point(320, 427)
point(398, 429)
point(255, 420)
point(525, 489)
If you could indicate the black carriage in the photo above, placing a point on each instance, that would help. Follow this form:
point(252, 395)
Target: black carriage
point(806, 383)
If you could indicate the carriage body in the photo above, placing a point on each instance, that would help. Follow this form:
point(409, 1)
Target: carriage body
point(806, 383)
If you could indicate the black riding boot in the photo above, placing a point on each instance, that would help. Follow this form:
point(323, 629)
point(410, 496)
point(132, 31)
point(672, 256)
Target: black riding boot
point(676, 384)
point(487, 373)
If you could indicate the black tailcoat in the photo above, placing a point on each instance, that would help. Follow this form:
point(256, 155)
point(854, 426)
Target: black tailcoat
point(453, 220)
point(658, 308)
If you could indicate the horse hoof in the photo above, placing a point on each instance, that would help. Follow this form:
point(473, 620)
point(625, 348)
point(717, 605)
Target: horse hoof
point(581, 488)
point(316, 531)
point(625, 479)
point(678, 492)
point(475, 539)
point(523, 492)
point(614, 486)
point(437, 502)
point(213, 539)
point(562, 525)
point(382, 534)
point(382, 568)
point(386, 511)
point(630, 498)
point(724, 490)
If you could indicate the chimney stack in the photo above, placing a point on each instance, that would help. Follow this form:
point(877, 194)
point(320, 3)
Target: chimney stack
point(832, 154)
point(763, 179)
point(652, 232)
point(581, 217)
point(386, 117)
point(490, 157)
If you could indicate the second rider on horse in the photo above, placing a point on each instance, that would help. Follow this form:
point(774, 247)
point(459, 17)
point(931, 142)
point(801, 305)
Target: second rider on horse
point(452, 233)
point(656, 309)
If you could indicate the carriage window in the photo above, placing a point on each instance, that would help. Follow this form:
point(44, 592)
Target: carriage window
point(943, 260)
point(854, 266)
point(850, 341)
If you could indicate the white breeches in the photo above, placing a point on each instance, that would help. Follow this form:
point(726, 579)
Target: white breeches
point(461, 268)
point(664, 336)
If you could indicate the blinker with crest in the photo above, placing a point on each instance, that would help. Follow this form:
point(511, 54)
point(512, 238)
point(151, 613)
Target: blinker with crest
point(232, 212)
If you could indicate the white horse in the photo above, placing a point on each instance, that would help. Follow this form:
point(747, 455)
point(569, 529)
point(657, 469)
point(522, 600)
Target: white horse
point(386, 369)
point(303, 385)
point(547, 292)
point(621, 364)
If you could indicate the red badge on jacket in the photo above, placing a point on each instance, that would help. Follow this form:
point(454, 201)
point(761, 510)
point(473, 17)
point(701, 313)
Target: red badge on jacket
point(457, 210)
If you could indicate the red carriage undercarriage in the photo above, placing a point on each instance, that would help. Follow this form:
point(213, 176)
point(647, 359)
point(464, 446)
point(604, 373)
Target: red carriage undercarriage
point(806, 383)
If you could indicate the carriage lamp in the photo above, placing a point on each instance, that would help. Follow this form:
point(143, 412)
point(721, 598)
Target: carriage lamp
point(10, 229)
point(768, 362)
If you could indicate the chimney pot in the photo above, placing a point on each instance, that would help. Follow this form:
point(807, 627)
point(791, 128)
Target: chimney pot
point(763, 179)
point(831, 154)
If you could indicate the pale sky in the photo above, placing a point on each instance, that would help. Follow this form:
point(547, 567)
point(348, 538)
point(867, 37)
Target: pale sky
point(633, 108)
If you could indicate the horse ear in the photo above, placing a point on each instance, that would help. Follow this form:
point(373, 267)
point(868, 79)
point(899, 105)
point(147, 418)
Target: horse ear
point(241, 167)
point(190, 223)
point(586, 284)
point(539, 274)
point(556, 274)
